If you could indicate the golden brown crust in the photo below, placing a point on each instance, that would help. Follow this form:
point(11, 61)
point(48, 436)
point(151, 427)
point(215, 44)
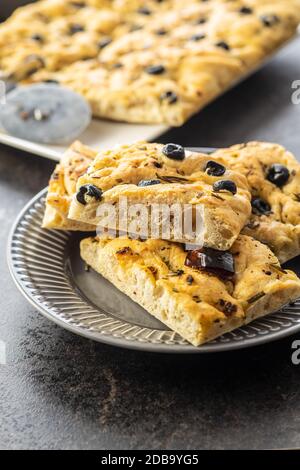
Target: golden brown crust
point(62, 186)
point(118, 172)
point(194, 303)
point(205, 47)
point(279, 229)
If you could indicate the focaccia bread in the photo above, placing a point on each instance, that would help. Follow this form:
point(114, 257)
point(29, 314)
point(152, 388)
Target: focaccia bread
point(62, 186)
point(273, 175)
point(200, 303)
point(149, 174)
point(50, 34)
point(145, 61)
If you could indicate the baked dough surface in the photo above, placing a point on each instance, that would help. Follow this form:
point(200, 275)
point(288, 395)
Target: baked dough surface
point(62, 186)
point(196, 304)
point(143, 60)
point(279, 228)
point(118, 173)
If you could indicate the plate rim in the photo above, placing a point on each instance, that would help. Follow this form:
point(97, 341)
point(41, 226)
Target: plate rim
point(120, 341)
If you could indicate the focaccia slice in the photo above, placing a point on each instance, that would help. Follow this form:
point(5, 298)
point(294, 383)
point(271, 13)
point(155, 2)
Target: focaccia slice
point(273, 176)
point(62, 186)
point(200, 303)
point(151, 174)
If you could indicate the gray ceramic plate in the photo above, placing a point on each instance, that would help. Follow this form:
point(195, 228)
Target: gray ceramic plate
point(47, 269)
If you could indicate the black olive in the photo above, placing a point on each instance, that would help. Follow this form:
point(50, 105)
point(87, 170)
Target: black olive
point(198, 37)
point(76, 28)
point(144, 183)
point(174, 151)
point(269, 20)
point(161, 32)
point(51, 81)
point(144, 11)
point(104, 42)
point(169, 96)
point(278, 174)
point(213, 168)
point(246, 11)
point(37, 37)
point(117, 65)
point(78, 4)
point(260, 207)
point(155, 69)
point(88, 190)
point(201, 21)
point(225, 185)
point(223, 45)
point(220, 263)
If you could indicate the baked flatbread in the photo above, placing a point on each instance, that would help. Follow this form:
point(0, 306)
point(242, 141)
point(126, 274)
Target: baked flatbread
point(143, 60)
point(62, 186)
point(273, 175)
point(198, 303)
point(149, 174)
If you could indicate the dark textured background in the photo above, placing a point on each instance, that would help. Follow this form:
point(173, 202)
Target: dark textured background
point(61, 391)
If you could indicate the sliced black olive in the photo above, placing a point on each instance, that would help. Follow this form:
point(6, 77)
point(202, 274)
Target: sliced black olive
point(174, 151)
point(51, 80)
point(213, 168)
point(144, 183)
point(88, 190)
point(278, 174)
point(220, 263)
point(144, 11)
point(223, 45)
point(269, 20)
point(161, 32)
point(37, 37)
point(260, 207)
point(225, 185)
point(155, 69)
point(104, 42)
point(201, 21)
point(169, 96)
point(78, 4)
point(246, 11)
point(76, 28)
point(198, 37)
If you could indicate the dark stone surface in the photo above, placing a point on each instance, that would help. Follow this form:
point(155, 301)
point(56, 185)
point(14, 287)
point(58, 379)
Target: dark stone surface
point(61, 391)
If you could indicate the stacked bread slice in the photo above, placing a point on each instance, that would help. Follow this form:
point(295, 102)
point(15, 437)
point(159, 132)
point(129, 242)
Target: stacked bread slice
point(201, 283)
